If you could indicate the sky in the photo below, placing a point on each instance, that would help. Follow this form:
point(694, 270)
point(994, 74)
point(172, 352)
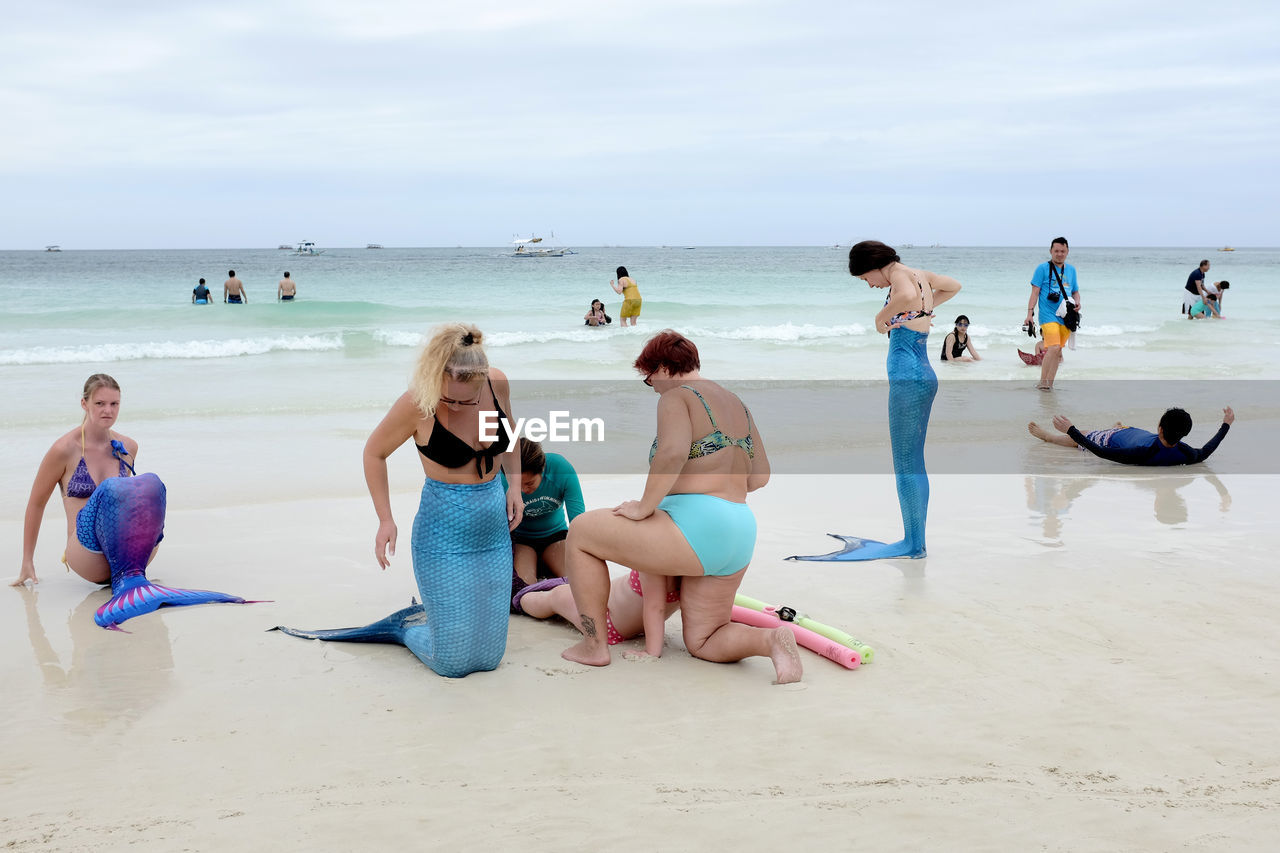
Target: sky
point(145, 124)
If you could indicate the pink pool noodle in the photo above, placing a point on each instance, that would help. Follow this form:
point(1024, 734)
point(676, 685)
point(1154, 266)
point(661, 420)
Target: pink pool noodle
point(824, 646)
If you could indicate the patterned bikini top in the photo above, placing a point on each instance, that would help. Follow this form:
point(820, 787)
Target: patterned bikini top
point(715, 440)
point(81, 484)
point(908, 316)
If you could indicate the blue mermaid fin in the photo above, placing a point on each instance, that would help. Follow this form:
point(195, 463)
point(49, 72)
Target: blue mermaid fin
point(462, 563)
point(857, 550)
point(134, 595)
point(124, 521)
point(392, 629)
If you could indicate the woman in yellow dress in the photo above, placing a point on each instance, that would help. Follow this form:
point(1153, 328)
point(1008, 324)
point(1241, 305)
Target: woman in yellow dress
point(630, 296)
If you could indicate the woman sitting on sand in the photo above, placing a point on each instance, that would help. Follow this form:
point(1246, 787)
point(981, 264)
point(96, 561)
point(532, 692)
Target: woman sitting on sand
point(115, 518)
point(75, 465)
point(552, 498)
point(692, 521)
point(461, 534)
point(638, 604)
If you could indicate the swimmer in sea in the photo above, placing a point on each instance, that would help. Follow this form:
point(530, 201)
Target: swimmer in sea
point(1133, 446)
point(200, 294)
point(233, 290)
point(286, 290)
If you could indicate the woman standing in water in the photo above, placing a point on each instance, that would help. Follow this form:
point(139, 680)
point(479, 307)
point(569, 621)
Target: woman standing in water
point(631, 301)
point(906, 316)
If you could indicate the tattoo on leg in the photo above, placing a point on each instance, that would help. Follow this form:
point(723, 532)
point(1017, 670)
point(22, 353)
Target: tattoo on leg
point(588, 627)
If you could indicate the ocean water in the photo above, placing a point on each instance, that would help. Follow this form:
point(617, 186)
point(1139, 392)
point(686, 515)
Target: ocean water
point(294, 388)
point(756, 313)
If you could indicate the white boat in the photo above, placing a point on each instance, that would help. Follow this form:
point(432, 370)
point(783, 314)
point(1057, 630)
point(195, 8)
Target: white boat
point(53, 247)
point(306, 247)
point(526, 248)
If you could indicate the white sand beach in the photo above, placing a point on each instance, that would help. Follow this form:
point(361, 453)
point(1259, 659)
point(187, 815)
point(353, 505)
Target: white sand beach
point(1067, 670)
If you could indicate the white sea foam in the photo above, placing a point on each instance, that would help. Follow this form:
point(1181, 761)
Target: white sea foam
point(782, 333)
point(94, 353)
point(396, 338)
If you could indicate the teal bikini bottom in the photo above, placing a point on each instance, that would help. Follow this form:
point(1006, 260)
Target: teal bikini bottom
point(722, 533)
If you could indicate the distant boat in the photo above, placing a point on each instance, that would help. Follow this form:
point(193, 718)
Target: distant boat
point(306, 247)
point(53, 247)
point(285, 246)
point(525, 248)
point(1226, 249)
point(374, 246)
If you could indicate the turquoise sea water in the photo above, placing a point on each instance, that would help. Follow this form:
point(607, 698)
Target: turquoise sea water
point(756, 313)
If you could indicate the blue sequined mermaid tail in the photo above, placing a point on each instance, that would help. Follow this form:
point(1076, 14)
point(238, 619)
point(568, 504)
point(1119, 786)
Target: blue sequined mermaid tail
point(912, 387)
point(462, 562)
point(124, 521)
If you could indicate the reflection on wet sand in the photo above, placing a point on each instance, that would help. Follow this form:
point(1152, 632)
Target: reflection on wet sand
point(1050, 498)
point(111, 678)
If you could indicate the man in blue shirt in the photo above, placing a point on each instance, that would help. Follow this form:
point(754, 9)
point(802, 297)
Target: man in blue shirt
point(1194, 288)
point(1052, 286)
point(1133, 446)
point(200, 294)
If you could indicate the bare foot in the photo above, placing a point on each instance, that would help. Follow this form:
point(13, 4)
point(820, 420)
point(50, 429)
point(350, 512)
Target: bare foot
point(1043, 387)
point(638, 654)
point(592, 654)
point(1038, 431)
point(785, 656)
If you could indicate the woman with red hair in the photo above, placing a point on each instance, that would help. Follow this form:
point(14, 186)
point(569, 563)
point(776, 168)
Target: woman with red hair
point(692, 521)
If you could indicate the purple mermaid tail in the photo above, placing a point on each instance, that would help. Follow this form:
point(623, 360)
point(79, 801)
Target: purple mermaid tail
point(124, 521)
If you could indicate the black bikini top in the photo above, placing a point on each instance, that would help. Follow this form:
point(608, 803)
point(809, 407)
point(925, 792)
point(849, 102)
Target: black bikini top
point(445, 448)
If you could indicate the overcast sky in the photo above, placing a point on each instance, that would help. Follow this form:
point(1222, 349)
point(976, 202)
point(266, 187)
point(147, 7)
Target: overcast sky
point(240, 123)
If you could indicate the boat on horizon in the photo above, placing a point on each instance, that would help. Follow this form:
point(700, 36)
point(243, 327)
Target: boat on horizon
point(374, 246)
point(307, 248)
point(53, 247)
point(525, 248)
point(1227, 249)
point(285, 246)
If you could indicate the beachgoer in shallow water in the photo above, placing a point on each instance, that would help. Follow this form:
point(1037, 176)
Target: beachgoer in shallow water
point(200, 294)
point(631, 301)
point(1053, 289)
point(462, 532)
point(287, 289)
point(595, 316)
point(957, 345)
point(692, 521)
point(233, 290)
point(913, 296)
point(1133, 446)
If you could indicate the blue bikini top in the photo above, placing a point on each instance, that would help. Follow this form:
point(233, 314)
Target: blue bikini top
point(715, 440)
point(81, 484)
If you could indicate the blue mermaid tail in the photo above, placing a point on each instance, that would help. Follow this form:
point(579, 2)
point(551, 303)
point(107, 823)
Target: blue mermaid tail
point(124, 521)
point(462, 563)
point(912, 387)
point(392, 629)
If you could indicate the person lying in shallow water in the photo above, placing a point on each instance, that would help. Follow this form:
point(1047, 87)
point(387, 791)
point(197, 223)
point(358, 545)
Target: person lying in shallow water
point(1133, 446)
